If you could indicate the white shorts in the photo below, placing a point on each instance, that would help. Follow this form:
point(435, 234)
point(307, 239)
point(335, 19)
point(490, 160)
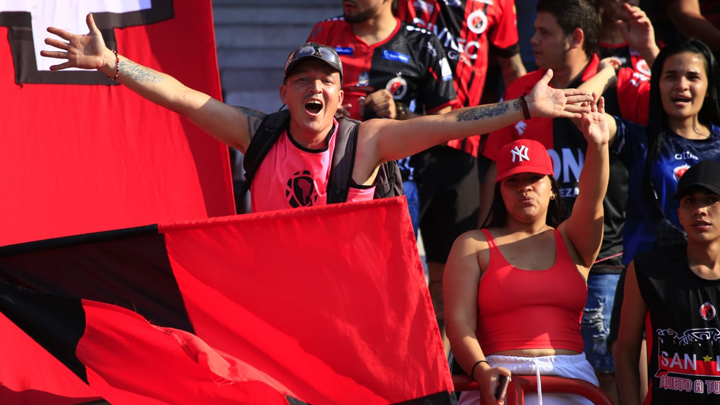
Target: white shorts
point(573, 366)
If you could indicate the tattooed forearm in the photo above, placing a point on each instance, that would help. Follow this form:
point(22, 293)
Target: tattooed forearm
point(254, 118)
point(479, 113)
point(139, 73)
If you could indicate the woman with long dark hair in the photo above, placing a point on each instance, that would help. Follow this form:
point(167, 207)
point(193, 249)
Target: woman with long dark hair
point(515, 290)
point(682, 130)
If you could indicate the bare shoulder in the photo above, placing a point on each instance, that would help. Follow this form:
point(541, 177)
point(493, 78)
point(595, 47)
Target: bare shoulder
point(473, 246)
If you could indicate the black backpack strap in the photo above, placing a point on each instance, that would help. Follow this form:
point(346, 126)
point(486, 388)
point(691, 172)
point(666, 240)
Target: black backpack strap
point(343, 160)
point(265, 137)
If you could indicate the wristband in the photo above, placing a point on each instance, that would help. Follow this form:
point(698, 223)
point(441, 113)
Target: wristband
point(117, 65)
point(524, 107)
point(472, 370)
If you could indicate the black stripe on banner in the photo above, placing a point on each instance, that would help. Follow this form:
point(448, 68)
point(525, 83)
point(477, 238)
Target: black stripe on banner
point(128, 268)
point(56, 323)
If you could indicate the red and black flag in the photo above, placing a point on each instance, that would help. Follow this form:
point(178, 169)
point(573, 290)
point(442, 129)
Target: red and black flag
point(319, 305)
point(79, 153)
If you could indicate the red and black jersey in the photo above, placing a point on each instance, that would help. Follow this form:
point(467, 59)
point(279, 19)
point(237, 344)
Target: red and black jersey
point(629, 57)
point(467, 30)
point(682, 330)
point(566, 146)
point(633, 94)
point(410, 64)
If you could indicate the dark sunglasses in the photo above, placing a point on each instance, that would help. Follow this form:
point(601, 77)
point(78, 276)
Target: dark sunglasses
point(325, 54)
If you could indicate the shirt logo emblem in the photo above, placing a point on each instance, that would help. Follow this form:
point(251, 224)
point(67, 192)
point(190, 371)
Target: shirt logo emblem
point(707, 311)
point(477, 22)
point(521, 153)
point(397, 86)
point(679, 171)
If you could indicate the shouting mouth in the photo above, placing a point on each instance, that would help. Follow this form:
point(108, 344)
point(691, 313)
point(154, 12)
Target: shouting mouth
point(313, 107)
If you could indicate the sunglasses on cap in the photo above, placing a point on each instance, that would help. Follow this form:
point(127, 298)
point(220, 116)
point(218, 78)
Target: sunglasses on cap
point(324, 53)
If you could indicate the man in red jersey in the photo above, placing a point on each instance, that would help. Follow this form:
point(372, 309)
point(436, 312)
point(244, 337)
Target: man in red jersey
point(390, 70)
point(448, 175)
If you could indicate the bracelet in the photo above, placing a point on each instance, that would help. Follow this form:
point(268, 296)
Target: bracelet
point(524, 106)
point(472, 370)
point(117, 65)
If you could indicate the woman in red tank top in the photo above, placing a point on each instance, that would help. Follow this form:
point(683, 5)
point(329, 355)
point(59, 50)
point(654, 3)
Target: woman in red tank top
point(515, 291)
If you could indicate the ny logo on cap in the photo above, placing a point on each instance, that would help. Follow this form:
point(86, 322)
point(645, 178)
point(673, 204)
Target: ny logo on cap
point(521, 152)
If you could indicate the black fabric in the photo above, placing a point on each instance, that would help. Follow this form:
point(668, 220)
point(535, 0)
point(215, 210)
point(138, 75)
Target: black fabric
point(388, 182)
point(682, 342)
point(570, 145)
point(56, 323)
point(128, 268)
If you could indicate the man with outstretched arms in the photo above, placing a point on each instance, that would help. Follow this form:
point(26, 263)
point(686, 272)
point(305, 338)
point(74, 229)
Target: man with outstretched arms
point(312, 90)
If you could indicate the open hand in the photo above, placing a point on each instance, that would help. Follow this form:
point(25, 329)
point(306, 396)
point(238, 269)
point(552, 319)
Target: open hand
point(638, 30)
point(81, 51)
point(545, 101)
point(594, 127)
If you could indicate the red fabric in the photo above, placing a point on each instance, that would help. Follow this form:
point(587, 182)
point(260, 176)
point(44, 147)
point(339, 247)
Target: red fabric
point(79, 158)
point(537, 128)
point(85, 158)
point(633, 91)
point(30, 375)
point(494, 22)
point(330, 301)
point(549, 301)
point(130, 361)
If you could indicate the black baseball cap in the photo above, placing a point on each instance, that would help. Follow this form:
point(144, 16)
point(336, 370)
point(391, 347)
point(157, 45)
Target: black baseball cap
point(705, 174)
point(324, 53)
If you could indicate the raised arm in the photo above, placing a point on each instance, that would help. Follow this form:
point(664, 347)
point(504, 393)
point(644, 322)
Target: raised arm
point(460, 289)
point(392, 140)
point(605, 78)
point(230, 125)
point(639, 33)
point(584, 228)
point(628, 347)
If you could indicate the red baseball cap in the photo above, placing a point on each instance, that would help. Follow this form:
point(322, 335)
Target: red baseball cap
point(523, 156)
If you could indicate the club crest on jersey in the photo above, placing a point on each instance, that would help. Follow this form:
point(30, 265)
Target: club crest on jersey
point(300, 190)
point(27, 21)
point(643, 67)
point(679, 171)
point(521, 153)
point(707, 311)
point(477, 21)
point(397, 86)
